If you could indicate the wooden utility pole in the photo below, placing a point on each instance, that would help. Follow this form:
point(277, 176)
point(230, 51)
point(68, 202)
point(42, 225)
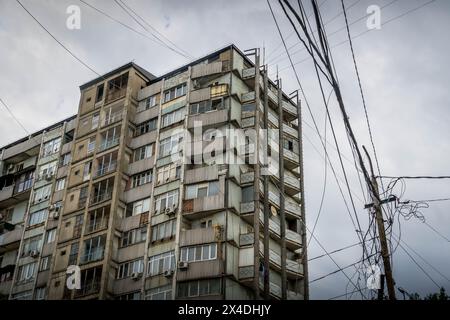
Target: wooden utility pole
point(381, 232)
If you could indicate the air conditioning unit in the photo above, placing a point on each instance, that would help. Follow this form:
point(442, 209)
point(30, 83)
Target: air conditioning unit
point(34, 253)
point(55, 213)
point(170, 211)
point(168, 273)
point(136, 275)
point(183, 265)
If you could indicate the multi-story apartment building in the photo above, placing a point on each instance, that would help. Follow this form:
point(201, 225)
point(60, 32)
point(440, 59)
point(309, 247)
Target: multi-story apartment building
point(139, 190)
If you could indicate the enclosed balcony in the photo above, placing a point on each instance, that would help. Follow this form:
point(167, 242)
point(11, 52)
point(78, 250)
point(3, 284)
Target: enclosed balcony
point(293, 239)
point(109, 138)
point(105, 164)
point(102, 191)
point(293, 268)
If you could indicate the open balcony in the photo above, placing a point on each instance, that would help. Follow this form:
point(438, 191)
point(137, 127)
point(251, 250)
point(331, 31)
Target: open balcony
point(293, 268)
point(293, 239)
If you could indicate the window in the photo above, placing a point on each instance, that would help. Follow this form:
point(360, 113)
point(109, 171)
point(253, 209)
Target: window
point(118, 83)
point(146, 127)
point(26, 295)
point(128, 268)
point(133, 236)
point(202, 190)
point(95, 120)
point(248, 107)
point(199, 253)
point(93, 249)
point(73, 253)
point(164, 230)
point(141, 179)
point(288, 144)
point(47, 170)
point(39, 293)
point(50, 237)
point(167, 173)
point(144, 152)
point(31, 244)
point(26, 272)
point(198, 288)
point(99, 94)
point(159, 293)
point(206, 106)
point(45, 263)
point(175, 92)
point(60, 183)
point(170, 145)
point(98, 219)
point(138, 207)
point(38, 217)
point(65, 159)
point(150, 102)
point(51, 147)
point(78, 226)
point(206, 224)
point(91, 145)
point(87, 171)
point(248, 194)
point(219, 90)
point(162, 262)
point(165, 201)
point(130, 296)
point(173, 117)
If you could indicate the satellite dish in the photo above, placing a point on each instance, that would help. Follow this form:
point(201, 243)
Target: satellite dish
point(273, 210)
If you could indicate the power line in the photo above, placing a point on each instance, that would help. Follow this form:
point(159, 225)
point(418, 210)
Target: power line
point(360, 87)
point(184, 52)
point(278, 46)
point(54, 38)
point(345, 294)
point(129, 27)
point(336, 271)
point(424, 260)
point(124, 7)
point(315, 238)
point(431, 200)
point(366, 31)
point(338, 250)
point(415, 177)
point(14, 117)
point(418, 265)
point(276, 60)
point(311, 50)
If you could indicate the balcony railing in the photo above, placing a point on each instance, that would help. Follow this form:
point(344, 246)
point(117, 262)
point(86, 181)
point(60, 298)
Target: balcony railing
point(100, 197)
point(89, 288)
point(93, 255)
point(106, 169)
point(247, 207)
point(116, 94)
point(97, 225)
point(107, 144)
point(23, 186)
point(112, 119)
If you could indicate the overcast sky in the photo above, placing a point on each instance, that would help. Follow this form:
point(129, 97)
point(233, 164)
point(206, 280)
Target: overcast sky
point(405, 76)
